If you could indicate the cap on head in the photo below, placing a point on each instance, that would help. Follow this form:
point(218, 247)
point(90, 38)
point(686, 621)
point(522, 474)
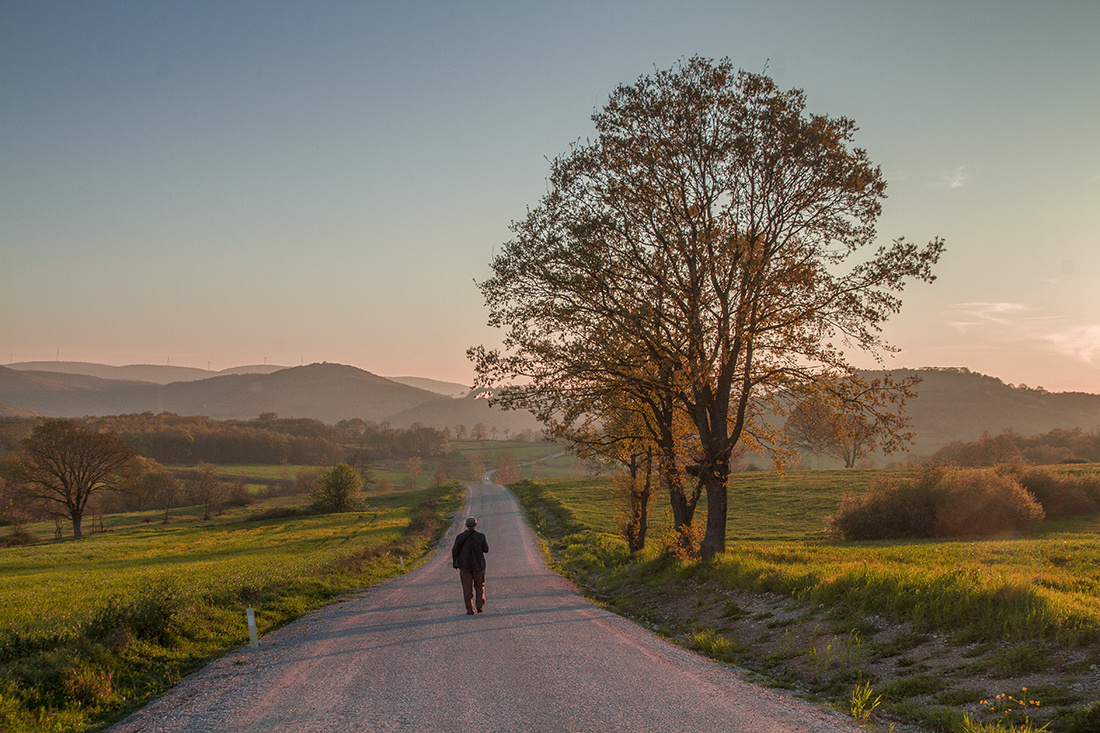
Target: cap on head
point(471, 522)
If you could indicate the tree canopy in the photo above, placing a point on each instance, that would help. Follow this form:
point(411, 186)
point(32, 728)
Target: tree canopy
point(696, 258)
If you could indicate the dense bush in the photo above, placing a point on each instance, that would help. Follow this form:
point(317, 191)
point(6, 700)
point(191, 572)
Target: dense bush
point(337, 490)
point(148, 614)
point(938, 503)
point(1061, 494)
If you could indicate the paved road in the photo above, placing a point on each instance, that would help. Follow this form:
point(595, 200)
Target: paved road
point(405, 656)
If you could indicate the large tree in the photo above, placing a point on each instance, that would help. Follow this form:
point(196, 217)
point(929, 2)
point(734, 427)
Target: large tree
point(64, 465)
point(698, 254)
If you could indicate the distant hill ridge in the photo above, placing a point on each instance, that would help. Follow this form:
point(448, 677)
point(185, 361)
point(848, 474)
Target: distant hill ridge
point(166, 374)
point(328, 392)
point(953, 403)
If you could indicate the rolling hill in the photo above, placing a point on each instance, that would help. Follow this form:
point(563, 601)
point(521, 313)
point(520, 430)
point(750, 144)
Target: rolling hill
point(957, 404)
point(156, 373)
point(328, 392)
point(953, 404)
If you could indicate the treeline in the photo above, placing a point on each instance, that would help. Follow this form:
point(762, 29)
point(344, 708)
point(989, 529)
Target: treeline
point(1057, 446)
point(172, 439)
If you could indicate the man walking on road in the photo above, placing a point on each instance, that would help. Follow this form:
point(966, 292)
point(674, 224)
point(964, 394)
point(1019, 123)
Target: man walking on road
point(468, 555)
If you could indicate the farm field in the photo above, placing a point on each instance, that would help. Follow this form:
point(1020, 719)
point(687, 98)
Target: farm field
point(92, 629)
point(544, 456)
point(931, 628)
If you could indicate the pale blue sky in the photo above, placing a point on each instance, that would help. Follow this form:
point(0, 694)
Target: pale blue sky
point(222, 183)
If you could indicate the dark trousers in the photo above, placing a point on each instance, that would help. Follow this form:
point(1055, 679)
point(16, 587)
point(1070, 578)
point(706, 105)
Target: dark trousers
point(472, 580)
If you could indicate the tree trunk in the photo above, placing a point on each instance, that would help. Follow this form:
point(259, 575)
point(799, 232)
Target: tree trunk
point(643, 509)
point(683, 509)
point(639, 503)
point(716, 480)
point(76, 525)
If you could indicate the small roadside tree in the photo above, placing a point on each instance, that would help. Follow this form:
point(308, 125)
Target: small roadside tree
point(337, 490)
point(507, 468)
point(65, 465)
point(476, 468)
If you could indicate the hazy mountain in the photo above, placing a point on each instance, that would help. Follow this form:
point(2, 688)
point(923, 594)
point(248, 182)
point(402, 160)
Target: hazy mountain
point(156, 373)
point(953, 404)
point(469, 411)
point(166, 374)
point(328, 392)
point(957, 404)
point(9, 410)
point(74, 395)
point(449, 389)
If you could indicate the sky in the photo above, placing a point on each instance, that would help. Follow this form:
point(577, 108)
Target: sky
point(214, 184)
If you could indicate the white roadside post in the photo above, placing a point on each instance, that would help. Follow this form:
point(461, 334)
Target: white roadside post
point(253, 639)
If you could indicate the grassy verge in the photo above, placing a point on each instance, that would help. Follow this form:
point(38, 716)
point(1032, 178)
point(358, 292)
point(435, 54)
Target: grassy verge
point(92, 630)
point(947, 636)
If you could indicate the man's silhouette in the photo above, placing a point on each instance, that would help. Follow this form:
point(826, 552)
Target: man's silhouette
point(468, 555)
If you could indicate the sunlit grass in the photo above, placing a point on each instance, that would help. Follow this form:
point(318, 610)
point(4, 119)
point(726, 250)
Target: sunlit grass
point(90, 629)
point(1042, 588)
point(44, 587)
point(1012, 607)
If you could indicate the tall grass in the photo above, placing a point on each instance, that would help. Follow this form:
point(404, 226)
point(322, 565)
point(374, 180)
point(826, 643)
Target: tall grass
point(1018, 590)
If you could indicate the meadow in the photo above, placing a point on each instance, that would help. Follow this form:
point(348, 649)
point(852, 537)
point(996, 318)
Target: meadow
point(535, 458)
point(934, 630)
point(90, 630)
point(922, 632)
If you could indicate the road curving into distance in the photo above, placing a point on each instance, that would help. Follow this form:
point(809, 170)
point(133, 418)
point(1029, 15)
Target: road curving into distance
point(405, 656)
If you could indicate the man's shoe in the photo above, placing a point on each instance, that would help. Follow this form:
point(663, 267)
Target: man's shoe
point(479, 610)
point(469, 613)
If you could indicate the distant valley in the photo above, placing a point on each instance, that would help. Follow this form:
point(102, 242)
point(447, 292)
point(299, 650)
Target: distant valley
point(953, 404)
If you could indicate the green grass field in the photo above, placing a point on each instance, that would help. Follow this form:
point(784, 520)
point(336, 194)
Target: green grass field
point(394, 470)
point(1037, 598)
point(92, 629)
point(762, 504)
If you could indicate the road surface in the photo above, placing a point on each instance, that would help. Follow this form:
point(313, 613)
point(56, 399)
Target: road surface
point(405, 656)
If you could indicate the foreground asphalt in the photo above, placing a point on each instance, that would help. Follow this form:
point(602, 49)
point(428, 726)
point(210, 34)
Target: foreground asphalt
point(405, 656)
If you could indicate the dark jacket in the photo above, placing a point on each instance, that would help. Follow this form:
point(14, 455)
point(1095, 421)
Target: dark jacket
point(469, 550)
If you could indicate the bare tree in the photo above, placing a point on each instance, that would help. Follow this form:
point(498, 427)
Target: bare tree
point(846, 419)
point(696, 255)
point(205, 488)
point(65, 465)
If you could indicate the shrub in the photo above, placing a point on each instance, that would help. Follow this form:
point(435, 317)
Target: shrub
point(1061, 494)
point(938, 502)
point(17, 537)
point(984, 503)
point(337, 489)
point(891, 509)
point(148, 614)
